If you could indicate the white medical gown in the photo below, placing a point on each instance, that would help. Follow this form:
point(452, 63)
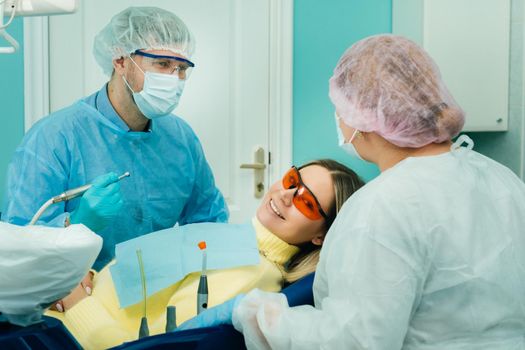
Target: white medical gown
point(40, 265)
point(429, 255)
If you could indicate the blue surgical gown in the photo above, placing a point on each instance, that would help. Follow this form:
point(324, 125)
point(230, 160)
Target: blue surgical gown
point(171, 181)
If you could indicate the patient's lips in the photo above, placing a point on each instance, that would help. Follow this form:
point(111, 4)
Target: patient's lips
point(274, 208)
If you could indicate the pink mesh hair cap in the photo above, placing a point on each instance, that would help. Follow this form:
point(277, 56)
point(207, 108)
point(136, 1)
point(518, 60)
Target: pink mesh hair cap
point(387, 84)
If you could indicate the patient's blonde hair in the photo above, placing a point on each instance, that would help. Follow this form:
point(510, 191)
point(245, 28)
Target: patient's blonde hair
point(346, 182)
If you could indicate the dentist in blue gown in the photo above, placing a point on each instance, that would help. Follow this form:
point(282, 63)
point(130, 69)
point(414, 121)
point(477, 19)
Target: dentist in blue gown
point(125, 126)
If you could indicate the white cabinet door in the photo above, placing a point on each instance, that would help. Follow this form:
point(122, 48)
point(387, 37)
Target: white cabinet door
point(470, 42)
point(229, 100)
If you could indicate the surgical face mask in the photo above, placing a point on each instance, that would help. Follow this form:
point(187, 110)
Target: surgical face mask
point(348, 147)
point(160, 93)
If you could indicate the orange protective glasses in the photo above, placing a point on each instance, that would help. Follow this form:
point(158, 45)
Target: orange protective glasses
point(303, 199)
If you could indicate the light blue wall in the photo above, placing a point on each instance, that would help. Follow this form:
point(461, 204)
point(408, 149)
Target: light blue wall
point(322, 32)
point(11, 101)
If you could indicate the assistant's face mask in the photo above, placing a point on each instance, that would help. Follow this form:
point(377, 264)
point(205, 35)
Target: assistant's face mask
point(348, 147)
point(160, 94)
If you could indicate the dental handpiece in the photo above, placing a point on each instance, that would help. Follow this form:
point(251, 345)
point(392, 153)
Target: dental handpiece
point(76, 192)
point(202, 290)
point(65, 196)
point(143, 329)
point(171, 318)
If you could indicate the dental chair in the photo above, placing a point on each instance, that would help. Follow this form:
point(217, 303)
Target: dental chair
point(52, 335)
point(48, 334)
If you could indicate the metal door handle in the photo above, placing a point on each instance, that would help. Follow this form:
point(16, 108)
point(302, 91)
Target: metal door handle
point(258, 167)
point(253, 166)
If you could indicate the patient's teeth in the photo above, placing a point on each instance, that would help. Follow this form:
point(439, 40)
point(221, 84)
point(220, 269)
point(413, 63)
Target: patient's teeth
point(274, 208)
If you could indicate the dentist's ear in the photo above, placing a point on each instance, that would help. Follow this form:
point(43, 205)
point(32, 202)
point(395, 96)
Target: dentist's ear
point(118, 64)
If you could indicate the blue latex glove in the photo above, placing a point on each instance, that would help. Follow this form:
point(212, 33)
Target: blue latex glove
point(100, 204)
point(220, 314)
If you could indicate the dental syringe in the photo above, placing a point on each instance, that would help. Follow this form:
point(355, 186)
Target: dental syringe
point(67, 195)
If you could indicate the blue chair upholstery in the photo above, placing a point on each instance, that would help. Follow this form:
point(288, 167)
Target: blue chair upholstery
point(49, 334)
point(300, 292)
point(219, 337)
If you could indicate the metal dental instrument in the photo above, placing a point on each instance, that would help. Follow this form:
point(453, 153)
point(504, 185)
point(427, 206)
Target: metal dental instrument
point(202, 291)
point(76, 192)
point(171, 323)
point(143, 329)
point(65, 196)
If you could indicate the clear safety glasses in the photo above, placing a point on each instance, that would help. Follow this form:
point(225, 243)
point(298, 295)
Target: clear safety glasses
point(166, 64)
point(303, 199)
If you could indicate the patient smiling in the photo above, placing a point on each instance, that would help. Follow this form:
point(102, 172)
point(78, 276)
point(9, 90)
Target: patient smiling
point(290, 224)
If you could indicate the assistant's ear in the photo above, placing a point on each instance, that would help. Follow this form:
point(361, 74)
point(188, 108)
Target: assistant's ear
point(318, 239)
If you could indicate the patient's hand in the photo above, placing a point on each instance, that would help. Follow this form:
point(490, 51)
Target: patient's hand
point(82, 290)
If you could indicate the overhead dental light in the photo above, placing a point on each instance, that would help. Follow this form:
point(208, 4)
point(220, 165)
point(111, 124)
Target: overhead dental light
point(12, 8)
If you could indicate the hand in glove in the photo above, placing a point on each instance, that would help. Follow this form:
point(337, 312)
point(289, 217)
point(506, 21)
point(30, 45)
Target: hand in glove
point(100, 204)
point(220, 314)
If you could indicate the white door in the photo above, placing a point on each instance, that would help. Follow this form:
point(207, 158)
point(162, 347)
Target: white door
point(237, 99)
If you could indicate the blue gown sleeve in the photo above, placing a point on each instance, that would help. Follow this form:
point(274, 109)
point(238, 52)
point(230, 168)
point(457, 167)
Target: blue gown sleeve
point(206, 202)
point(36, 173)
